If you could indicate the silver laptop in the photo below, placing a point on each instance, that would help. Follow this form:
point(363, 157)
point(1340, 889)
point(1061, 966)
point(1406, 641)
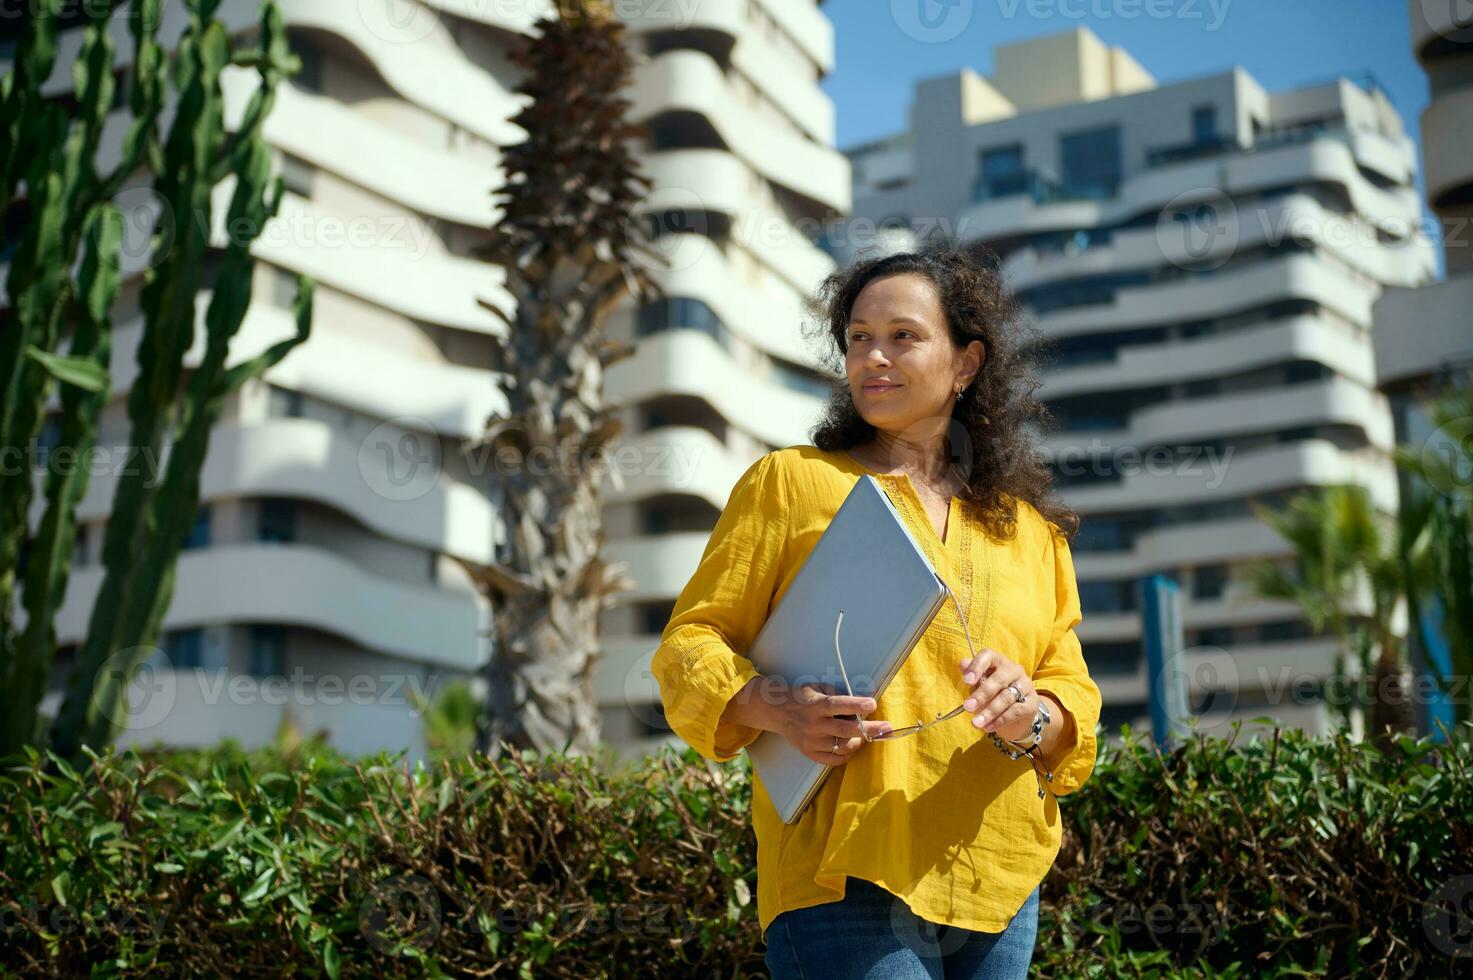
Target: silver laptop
point(868, 564)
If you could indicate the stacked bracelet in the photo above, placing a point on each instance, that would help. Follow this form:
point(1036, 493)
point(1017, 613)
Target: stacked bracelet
point(1028, 746)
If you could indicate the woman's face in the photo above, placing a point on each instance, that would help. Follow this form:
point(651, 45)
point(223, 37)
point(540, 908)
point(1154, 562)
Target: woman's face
point(902, 365)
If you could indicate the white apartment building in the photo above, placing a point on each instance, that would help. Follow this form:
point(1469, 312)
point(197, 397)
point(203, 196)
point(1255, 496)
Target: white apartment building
point(1205, 254)
point(319, 580)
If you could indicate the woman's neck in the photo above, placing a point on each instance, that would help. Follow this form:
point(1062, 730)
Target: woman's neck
point(921, 460)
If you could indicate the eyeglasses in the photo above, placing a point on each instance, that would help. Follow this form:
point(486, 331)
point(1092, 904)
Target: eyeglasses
point(919, 726)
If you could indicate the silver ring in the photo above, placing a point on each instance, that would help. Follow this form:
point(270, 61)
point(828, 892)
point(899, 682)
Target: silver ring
point(836, 745)
point(1019, 692)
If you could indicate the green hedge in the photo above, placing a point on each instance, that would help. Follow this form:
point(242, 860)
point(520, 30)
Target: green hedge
point(1288, 856)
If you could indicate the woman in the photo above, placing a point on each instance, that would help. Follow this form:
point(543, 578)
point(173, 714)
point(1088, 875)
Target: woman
point(922, 855)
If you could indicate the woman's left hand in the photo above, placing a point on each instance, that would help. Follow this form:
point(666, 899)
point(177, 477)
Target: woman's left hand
point(992, 703)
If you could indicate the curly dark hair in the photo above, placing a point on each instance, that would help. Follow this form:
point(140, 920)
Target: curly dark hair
point(990, 439)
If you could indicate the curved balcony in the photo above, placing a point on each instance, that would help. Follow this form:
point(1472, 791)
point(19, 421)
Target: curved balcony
point(338, 140)
point(690, 82)
point(1262, 666)
point(1332, 401)
point(1292, 216)
point(388, 260)
point(305, 586)
point(807, 26)
point(306, 459)
point(1422, 331)
point(1311, 462)
point(686, 362)
point(1447, 144)
point(1208, 541)
point(677, 459)
point(1300, 338)
point(205, 707)
point(660, 565)
point(517, 18)
point(1328, 159)
point(1217, 294)
point(624, 676)
point(782, 81)
point(405, 42)
point(453, 400)
point(715, 181)
point(397, 268)
point(1239, 607)
point(1394, 159)
point(1433, 23)
point(767, 315)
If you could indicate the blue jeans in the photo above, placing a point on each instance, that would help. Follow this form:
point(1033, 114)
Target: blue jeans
point(872, 934)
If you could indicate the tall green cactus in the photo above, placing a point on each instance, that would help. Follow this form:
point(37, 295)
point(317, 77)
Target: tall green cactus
point(147, 526)
point(66, 198)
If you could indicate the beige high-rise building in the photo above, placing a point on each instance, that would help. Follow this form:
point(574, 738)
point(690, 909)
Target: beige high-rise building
point(1424, 337)
point(1205, 254)
point(319, 580)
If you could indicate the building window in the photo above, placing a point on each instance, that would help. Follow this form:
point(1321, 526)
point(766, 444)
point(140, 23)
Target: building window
point(1091, 162)
point(1106, 597)
point(268, 651)
point(310, 77)
point(79, 545)
point(655, 616)
point(1282, 631)
point(1215, 636)
point(184, 648)
point(297, 174)
point(49, 439)
point(799, 379)
point(1000, 173)
point(283, 403)
point(652, 721)
point(278, 521)
point(283, 287)
point(1113, 659)
point(1204, 124)
point(199, 535)
point(1209, 581)
point(681, 313)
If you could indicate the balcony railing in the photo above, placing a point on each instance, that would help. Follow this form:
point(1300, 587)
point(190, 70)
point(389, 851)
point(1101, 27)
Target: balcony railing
point(1040, 187)
point(1164, 156)
point(1160, 156)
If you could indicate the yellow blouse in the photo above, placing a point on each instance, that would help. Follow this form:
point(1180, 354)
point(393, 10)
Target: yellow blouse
point(941, 818)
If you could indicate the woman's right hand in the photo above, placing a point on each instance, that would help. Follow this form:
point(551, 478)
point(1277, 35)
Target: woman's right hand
point(815, 714)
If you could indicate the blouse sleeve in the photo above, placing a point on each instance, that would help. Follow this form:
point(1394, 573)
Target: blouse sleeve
point(700, 664)
point(1062, 673)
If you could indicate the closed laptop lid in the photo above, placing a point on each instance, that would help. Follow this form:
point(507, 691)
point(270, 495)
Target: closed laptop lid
point(868, 564)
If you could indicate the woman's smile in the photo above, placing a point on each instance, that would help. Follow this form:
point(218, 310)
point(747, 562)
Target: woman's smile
point(880, 387)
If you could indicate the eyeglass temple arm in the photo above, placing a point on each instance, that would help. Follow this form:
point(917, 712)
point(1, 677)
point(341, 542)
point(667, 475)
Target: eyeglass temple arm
point(966, 631)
